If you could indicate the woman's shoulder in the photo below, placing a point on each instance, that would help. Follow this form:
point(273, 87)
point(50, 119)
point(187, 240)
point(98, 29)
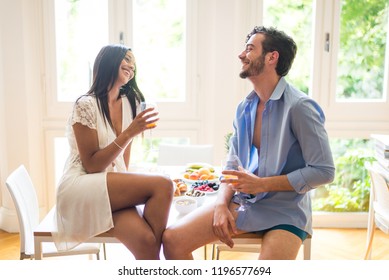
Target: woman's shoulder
point(86, 99)
point(84, 111)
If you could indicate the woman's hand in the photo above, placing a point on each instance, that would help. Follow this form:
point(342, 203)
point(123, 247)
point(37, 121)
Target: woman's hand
point(141, 122)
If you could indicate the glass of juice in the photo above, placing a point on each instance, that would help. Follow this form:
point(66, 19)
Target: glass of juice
point(232, 162)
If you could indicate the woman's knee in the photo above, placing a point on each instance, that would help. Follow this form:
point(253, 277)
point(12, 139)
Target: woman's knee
point(166, 184)
point(148, 240)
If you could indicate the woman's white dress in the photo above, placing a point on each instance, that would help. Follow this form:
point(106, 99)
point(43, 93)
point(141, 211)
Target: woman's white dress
point(83, 207)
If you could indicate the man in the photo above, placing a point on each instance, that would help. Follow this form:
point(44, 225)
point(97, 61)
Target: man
point(280, 138)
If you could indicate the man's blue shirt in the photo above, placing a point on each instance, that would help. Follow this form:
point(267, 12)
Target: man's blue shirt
point(294, 142)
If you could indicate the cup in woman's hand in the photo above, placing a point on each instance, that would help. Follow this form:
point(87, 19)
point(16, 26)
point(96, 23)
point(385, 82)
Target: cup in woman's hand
point(146, 105)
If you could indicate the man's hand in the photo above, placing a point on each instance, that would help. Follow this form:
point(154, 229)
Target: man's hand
point(243, 181)
point(224, 225)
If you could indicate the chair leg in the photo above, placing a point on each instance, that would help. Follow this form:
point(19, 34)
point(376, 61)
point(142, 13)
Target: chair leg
point(205, 252)
point(369, 246)
point(25, 256)
point(370, 227)
point(217, 253)
point(307, 249)
point(214, 247)
point(105, 252)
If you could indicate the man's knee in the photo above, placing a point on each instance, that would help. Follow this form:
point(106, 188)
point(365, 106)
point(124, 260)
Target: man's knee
point(170, 243)
point(169, 238)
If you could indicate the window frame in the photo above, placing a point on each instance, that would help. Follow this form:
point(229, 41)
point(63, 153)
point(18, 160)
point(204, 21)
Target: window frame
point(120, 31)
point(354, 118)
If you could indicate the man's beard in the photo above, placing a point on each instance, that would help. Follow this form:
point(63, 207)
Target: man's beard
point(255, 68)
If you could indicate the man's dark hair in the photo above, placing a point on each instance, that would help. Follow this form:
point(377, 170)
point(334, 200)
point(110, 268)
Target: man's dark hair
point(276, 40)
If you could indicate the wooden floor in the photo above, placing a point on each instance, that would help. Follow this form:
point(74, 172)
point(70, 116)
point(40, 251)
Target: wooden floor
point(327, 244)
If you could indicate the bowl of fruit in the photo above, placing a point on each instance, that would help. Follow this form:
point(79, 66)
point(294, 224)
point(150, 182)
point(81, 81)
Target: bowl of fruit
point(206, 187)
point(195, 172)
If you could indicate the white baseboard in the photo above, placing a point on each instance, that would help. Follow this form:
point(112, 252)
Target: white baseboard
point(9, 220)
point(339, 220)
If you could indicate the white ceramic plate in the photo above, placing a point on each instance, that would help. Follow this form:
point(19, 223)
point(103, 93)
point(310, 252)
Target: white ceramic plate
point(198, 164)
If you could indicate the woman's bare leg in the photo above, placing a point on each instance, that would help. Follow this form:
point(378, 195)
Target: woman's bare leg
point(127, 190)
point(134, 232)
point(190, 233)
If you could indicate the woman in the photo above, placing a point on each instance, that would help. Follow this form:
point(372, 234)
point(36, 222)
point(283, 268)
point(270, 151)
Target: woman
point(95, 193)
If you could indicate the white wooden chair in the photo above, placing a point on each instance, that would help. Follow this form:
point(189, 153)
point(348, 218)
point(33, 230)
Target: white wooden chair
point(24, 196)
point(379, 204)
point(183, 154)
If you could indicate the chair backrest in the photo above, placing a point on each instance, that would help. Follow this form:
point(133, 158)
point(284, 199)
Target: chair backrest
point(25, 199)
point(183, 154)
point(379, 191)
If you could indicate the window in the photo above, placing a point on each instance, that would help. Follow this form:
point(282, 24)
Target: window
point(350, 191)
point(156, 32)
point(354, 67)
point(350, 52)
point(300, 29)
point(361, 57)
point(160, 48)
point(79, 35)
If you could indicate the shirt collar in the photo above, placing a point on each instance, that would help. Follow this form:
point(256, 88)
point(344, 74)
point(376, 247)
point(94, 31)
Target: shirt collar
point(252, 96)
point(279, 90)
point(277, 93)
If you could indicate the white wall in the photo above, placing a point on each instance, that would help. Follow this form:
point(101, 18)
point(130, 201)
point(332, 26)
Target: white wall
point(21, 99)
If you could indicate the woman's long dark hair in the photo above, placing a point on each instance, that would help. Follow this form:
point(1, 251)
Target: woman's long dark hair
point(105, 73)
